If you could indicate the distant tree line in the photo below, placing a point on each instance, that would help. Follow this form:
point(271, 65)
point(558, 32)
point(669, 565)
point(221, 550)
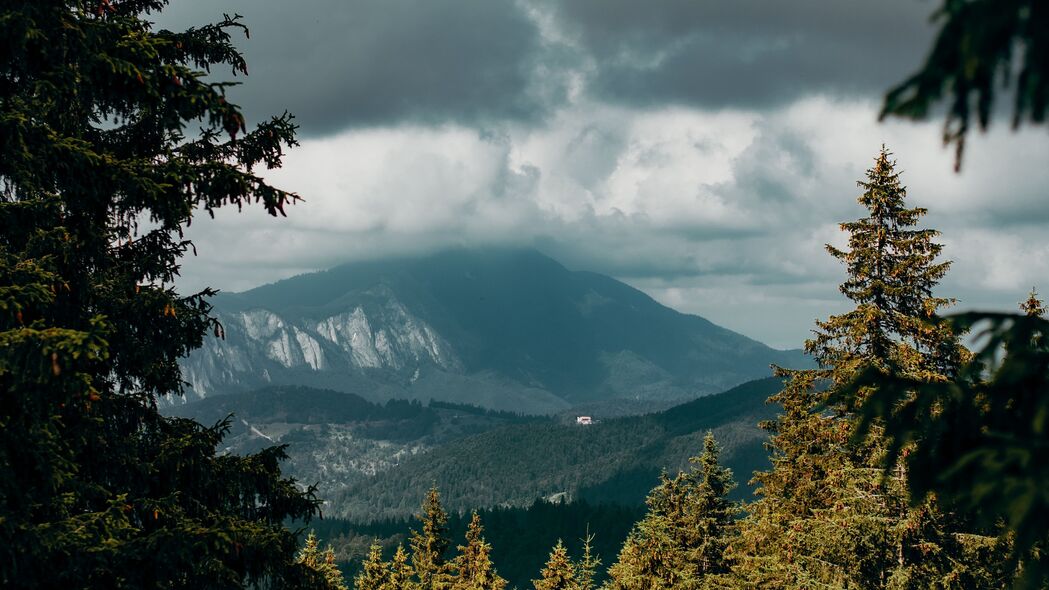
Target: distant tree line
point(486, 412)
point(521, 537)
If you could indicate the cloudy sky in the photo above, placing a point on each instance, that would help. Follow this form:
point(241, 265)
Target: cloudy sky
point(701, 150)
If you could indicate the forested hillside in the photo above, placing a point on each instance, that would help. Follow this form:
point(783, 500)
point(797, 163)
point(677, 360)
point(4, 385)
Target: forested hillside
point(611, 461)
point(334, 438)
point(369, 459)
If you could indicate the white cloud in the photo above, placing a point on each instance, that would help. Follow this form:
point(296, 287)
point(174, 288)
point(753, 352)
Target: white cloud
point(720, 213)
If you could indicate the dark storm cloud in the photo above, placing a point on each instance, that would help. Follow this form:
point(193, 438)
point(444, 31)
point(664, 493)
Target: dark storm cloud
point(341, 63)
point(703, 150)
point(745, 53)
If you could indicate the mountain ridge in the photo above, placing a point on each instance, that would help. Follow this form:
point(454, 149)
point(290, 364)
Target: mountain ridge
point(371, 460)
point(507, 329)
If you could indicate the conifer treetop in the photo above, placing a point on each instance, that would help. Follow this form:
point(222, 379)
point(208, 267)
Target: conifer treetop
point(892, 269)
point(473, 568)
point(430, 545)
point(374, 573)
point(1033, 306)
point(559, 573)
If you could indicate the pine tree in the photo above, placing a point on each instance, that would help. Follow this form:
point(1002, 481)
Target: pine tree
point(99, 177)
point(653, 555)
point(559, 571)
point(374, 574)
point(780, 544)
point(828, 513)
point(430, 545)
point(984, 49)
point(895, 327)
point(310, 555)
point(473, 566)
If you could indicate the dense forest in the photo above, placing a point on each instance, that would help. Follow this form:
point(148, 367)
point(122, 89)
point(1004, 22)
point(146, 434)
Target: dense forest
point(521, 538)
point(614, 461)
point(903, 460)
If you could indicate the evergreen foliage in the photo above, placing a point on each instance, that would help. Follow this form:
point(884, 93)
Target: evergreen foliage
point(978, 443)
point(682, 539)
point(651, 557)
point(586, 569)
point(559, 573)
point(714, 514)
point(1032, 307)
point(829, 514)
point(98, 179)
point(473, 566)
point(520, 537)
point(975, 442)
point(374, 572)
point(892, 270)
point(429, 546)
point(401, 573)
point(981, 44)
point(321, 562)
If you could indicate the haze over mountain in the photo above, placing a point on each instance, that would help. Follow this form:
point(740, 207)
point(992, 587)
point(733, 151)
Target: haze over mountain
point(505, 329)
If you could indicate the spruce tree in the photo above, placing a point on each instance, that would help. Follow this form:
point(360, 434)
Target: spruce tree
point(310, 554)
point(828, 513)
point(321, 562)
point(649, 559)
point(374, 574)
point(895, 327)
point(892, 269)
point(473, 566)
point(401, 574)
point(102, 168)
point(330, 570)
point(781, 544)
point(682, 539)
point(975, 443)
point(586, 569)
point(984, 49)
point(429, 545)
point(712, 514)
point(559, 573)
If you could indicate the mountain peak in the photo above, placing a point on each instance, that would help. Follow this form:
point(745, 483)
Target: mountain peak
point(506, 328)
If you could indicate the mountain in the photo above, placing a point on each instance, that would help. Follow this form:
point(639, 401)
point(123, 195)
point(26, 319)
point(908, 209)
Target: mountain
point(505, 329)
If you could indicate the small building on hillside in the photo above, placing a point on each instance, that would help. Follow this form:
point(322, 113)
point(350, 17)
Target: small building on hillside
point(584, 420)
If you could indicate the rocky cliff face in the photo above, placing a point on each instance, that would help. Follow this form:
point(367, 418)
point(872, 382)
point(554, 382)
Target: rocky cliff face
point(259, 342)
